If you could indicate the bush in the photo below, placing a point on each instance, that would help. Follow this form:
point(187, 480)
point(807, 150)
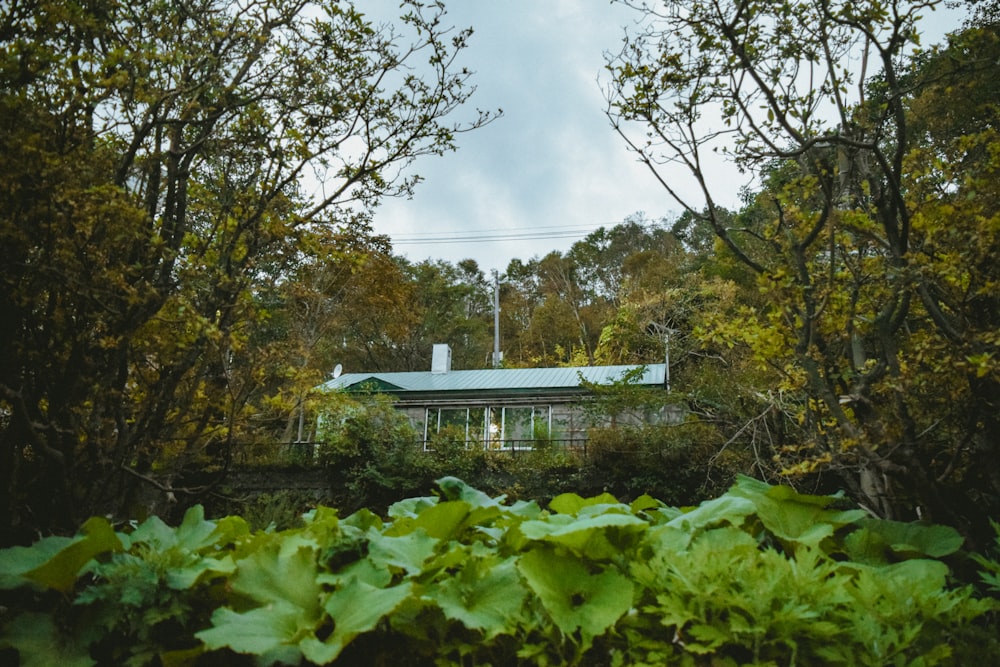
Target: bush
point(278, 510)
point(674, 462)
point(370, 452)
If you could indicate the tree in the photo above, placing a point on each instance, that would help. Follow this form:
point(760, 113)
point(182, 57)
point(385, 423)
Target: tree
point(551, 307)
point(160, 160)
point(600, 257)
point(879, 330)
point(454, 306)
point(303, 336)
point(518, 299)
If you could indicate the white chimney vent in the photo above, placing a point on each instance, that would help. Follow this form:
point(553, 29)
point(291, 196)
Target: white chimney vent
point(441, 358)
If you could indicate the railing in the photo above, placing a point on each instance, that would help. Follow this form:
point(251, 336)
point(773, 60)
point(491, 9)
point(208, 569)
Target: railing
point(283, 453)
point(307, 452)
point(568, 445)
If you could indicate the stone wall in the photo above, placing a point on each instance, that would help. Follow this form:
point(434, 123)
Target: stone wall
point(256, 481)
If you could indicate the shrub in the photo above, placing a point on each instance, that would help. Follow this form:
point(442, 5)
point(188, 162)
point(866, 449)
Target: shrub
point(278, 510)
point(674, 462)
point(370, 452)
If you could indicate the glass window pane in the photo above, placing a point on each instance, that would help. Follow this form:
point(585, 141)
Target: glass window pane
point(495, 416)
point(454, 417)
point(541, 427)
point(518, 424)
point(477, 425)
point(453, 423)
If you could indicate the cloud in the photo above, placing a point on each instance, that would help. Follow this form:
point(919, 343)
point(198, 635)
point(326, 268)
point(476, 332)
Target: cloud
point(552, 165)
point(552, 160)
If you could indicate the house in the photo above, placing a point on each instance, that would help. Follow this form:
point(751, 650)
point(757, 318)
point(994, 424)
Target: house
point(505, 408)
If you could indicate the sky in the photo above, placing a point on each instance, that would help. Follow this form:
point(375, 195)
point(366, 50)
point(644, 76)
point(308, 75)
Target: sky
point(552, 169)
point(552, 166)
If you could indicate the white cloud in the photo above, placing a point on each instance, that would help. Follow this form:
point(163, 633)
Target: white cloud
point(554, 159)
point(551, 161)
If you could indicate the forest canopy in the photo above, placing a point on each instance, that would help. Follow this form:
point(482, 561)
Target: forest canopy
point(172, 291)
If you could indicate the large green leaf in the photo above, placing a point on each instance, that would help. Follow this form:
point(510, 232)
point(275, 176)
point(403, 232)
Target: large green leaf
point(453, 488)
point(441, 521)
point(724, 509)
point(487, 594)
point(410, 507)
point(15, 562)
point(794, 517)
point(40, 644)
point(599, 537)
point(573, 596)
point(186, 576)
point(571, 503)
point(275, 574)
point(364, 519)
point(60, 571)
point(230, 530)
point(321, 519)
point(912, 577)
point(663, 541)
point(182, 548)
point(524, 509)
point(272, 632)
point(452, 558)
point(355, 608)
point(282, 580)
point(643, 503)
point(449, 520)
point(405, 552)
point(195, 532)
point(880, 541)
point(365, 570)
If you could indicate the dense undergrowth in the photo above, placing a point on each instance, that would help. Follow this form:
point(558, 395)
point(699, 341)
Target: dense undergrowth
point(761, 575)
point(372, 457)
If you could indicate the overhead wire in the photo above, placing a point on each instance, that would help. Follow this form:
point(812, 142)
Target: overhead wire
point(493, 235)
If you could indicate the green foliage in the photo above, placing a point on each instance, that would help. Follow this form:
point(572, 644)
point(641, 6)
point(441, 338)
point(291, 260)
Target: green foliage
point(60, 571)
point(991, 562)
point(277, 510)
point(685, 444)
point(153, 213)
point(373, 458)
point(134, 597)
point(868, 223)
point(371, 451)
point(624, 398)
point(675, 462)
point(760, 575)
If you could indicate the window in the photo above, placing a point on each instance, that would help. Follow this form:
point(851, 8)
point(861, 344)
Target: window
point(467, 423)
point(519, 427)
point(496, 427)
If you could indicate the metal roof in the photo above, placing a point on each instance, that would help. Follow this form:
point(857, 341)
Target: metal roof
point(514, 379)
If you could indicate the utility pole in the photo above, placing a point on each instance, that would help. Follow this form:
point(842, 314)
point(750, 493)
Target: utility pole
point(496, 319)
point(666, 365)
point(664, 331)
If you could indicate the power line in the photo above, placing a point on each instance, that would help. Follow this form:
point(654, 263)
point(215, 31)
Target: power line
point(517, 229)
point(493, 235)
point(486, 239)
